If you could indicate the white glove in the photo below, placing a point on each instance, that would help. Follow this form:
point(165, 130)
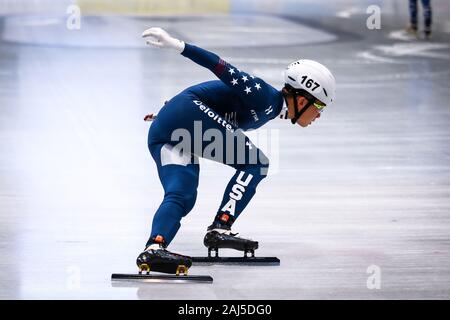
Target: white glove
point(161, 39)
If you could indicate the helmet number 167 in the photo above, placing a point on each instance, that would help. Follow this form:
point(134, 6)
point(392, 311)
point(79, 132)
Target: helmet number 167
point(309, 83)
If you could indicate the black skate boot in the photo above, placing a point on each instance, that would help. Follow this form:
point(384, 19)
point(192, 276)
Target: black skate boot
point(219, 235)
point(156, 258)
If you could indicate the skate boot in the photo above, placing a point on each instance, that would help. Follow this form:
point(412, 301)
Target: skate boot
point(412, 30)
point(157, 258)
point(219, 235)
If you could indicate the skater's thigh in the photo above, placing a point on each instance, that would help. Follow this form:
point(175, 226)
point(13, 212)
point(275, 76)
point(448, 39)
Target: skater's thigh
point(177, 172)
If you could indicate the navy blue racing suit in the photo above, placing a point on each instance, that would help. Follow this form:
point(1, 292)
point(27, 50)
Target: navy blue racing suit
point(211, 113)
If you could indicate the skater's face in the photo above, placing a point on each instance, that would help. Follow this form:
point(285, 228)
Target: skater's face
point(308, 117)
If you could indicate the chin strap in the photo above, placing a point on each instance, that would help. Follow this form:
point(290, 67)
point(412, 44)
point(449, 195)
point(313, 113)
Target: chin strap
point(298, 113)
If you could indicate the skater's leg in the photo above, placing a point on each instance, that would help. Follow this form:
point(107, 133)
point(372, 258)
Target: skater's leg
point(427, 14)
point(238, 193)
point(242, 186)
point(413, 14)
point(179, 177)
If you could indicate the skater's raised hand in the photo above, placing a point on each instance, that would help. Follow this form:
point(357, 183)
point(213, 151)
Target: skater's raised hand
point(159, 38)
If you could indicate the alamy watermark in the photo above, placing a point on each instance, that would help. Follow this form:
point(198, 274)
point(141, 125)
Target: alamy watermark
point(374, 279)
point(73, 21)
point(73, 280)
point(373, 22)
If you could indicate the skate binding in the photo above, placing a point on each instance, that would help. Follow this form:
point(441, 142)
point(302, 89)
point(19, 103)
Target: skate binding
point(144, 268)
point(182, 270)
point(250, 253)
point(210, 250)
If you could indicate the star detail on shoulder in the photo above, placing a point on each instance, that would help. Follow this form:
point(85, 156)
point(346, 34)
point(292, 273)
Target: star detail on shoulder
point(252, 77)
point(231, 71)
point(257, 86)
point(245, 79)
point(234, 82)
point(248, 90)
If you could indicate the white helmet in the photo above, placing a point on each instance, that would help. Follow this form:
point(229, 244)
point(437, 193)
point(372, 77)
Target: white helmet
point(312, 77)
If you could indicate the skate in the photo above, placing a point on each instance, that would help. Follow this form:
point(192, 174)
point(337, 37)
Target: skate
point(216, 239)
point(156, 258)
point(219, 236)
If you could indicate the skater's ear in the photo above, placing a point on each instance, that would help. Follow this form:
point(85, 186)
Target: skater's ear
point(302, 101)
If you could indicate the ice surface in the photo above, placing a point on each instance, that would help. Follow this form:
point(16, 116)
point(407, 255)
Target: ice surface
point(366, 185)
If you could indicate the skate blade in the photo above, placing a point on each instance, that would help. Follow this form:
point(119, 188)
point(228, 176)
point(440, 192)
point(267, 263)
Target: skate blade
point(161, 278)
point(248, 261)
